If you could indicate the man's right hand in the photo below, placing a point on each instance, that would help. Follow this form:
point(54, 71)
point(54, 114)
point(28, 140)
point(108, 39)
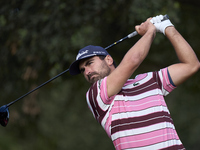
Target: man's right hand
point(145, 26)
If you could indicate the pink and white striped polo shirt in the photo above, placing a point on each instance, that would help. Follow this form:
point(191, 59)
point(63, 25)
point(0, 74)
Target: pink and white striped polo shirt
point(137, 117)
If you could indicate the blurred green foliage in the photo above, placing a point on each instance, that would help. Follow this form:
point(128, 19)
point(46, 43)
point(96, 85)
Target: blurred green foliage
point(39, 39)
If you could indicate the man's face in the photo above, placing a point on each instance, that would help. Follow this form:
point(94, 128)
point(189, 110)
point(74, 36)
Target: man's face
point(94, 68)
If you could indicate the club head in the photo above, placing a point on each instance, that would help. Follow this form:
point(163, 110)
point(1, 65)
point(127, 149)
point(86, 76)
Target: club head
point(4, 115)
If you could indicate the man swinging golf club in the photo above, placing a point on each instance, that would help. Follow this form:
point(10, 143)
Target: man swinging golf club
point(133, 112)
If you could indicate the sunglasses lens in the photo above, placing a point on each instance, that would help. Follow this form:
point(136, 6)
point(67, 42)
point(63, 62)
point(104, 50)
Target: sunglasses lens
point(4, 115)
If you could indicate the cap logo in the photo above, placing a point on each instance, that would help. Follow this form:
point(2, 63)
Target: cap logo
point(82, 53)
point(99, 52)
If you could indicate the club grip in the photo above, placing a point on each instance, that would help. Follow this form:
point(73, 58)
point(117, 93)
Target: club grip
point(132, 34)
point(165, 17)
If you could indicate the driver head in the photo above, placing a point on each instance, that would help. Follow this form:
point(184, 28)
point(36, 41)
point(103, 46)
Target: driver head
point(4, 115)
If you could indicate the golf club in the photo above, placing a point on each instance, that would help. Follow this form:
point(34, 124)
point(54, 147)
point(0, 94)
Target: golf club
point(4, 110)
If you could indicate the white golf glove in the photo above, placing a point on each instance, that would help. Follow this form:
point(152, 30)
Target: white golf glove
point(160, 23)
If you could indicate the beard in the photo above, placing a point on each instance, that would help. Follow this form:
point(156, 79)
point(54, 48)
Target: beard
point(95, 76)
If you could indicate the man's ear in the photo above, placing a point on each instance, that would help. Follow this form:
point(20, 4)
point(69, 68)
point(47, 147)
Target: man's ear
point(109, 60)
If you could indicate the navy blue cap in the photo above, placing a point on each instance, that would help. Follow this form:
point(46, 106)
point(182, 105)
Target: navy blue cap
point(86, 52)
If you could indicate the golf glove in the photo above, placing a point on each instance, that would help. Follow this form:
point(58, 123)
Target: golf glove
point(161, 24)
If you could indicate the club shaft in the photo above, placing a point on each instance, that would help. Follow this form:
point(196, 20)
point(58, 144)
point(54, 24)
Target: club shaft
point(132, 34)
point(126, 37)
point(37, 87)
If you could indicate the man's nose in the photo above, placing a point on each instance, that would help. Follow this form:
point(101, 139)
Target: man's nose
point(87, 70)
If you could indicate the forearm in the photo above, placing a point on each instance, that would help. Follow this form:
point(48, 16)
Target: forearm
point(189, 63)
point(183, 50)
point(140, 50)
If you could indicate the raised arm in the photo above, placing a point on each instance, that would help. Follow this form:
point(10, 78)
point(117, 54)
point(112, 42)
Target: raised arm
point(189, 63)
point(132, 59)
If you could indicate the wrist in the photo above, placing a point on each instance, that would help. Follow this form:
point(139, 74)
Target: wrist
point(170, 31)
point(152, 31)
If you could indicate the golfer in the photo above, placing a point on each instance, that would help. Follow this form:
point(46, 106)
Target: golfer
point(133, 112)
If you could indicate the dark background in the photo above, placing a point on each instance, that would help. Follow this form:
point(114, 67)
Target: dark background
point(39, 39)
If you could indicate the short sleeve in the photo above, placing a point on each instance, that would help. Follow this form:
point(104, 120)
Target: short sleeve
point(103, 92)
point(164, 81)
